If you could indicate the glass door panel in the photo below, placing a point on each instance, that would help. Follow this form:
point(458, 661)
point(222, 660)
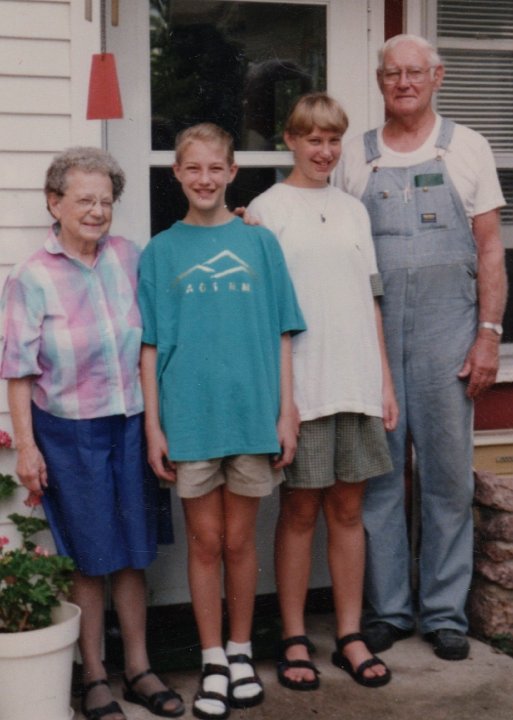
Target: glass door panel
point(238, 64)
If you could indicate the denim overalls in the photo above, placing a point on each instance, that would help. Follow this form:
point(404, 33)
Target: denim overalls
point(427, 257)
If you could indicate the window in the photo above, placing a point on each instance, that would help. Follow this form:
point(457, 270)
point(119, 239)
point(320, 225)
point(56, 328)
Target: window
point(475, 39)
point(238, 63)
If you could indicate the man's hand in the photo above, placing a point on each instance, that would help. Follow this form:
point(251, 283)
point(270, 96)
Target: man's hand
point(481, 364)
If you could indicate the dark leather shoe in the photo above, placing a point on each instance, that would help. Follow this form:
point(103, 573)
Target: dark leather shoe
point(382, 635)
point(449, 644)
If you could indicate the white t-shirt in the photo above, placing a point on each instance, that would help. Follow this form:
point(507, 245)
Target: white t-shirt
point(337, 366)
point(469, 161)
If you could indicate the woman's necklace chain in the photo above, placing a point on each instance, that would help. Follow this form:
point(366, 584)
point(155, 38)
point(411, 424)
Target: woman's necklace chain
point(322, 212)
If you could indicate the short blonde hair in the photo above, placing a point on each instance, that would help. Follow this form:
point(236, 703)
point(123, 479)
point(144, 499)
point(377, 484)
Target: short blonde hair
point(316, 110)
point(205, 132)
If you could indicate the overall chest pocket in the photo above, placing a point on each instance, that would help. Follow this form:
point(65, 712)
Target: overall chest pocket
point(434, 203)
point(409, 204)
point(388, 211)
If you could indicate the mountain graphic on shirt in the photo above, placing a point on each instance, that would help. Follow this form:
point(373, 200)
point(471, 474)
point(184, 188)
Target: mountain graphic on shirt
point(223, 264)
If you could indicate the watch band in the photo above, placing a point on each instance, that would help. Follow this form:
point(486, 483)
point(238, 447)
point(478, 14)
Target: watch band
point(492, 326)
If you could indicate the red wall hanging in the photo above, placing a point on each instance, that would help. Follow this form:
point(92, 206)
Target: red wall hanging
point(104, 99)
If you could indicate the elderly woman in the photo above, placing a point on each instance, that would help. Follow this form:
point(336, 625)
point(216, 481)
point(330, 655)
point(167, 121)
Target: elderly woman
point(72, 335)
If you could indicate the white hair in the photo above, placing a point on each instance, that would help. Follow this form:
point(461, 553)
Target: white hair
point(433, 57)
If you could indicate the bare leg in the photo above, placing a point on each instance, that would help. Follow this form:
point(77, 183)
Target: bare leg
point(204, 518)
point(241, 565)
point(88, 594)
point(293, 550)
point(241, 569)
point(342, 504)
point(129, 595)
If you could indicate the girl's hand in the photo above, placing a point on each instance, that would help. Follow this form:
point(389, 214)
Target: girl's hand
point(390, 408)
point(288, 431)
point(158, 457)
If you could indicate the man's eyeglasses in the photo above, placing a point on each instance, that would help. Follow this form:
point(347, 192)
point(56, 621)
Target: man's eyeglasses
point(414, 75)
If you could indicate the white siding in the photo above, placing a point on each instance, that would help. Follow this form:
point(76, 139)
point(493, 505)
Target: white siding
point(24, 170)
point(45, 55)
point(22, 208)
point(27, 95)
point(42, 20)
point(22, 56)
point(32, 133)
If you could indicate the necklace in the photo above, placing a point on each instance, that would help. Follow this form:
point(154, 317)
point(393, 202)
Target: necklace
point(315, 194)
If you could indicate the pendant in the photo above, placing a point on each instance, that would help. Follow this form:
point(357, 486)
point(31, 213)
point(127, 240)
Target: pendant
point(323, 219)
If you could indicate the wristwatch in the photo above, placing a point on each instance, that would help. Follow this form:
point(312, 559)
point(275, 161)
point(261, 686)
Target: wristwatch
point(492, 326)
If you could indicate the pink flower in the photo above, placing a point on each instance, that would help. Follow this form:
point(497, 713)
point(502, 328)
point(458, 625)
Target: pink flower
point(33, 499)
point(4, 541)
point(5, 439)
point(41, 551)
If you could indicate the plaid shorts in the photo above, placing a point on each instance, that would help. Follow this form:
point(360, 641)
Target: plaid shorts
point(350, 447)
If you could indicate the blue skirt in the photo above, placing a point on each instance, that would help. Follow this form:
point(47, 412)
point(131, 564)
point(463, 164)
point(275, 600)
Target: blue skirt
point(102, 499)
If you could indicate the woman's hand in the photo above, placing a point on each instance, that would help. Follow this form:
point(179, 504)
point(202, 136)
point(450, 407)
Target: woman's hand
point(31, 469)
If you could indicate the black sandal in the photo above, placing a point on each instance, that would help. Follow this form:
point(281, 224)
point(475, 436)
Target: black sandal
point(242, 703)
point(341, 661)
point(211, 669)
point(155, 702)
point(98, 712)
point(285, 664)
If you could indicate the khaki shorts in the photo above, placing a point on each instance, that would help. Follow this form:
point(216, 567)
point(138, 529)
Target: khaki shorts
point(249, 475)
point(350, 447)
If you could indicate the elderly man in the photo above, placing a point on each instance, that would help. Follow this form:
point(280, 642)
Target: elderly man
point(432, 192)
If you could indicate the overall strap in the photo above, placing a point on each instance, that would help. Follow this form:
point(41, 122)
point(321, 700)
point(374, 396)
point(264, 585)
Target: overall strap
point(370, 141)
point(445, 135)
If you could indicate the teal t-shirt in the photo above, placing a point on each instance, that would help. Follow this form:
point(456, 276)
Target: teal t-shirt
point(215, 301)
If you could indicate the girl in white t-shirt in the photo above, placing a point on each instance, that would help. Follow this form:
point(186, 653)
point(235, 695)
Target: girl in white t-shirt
point(343, 389)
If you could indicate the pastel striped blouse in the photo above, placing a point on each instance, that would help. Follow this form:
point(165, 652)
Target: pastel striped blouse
point(75, 329)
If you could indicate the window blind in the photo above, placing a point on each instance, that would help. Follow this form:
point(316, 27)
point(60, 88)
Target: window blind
point(475, 18)
point(478, 92)
point(475, 40)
